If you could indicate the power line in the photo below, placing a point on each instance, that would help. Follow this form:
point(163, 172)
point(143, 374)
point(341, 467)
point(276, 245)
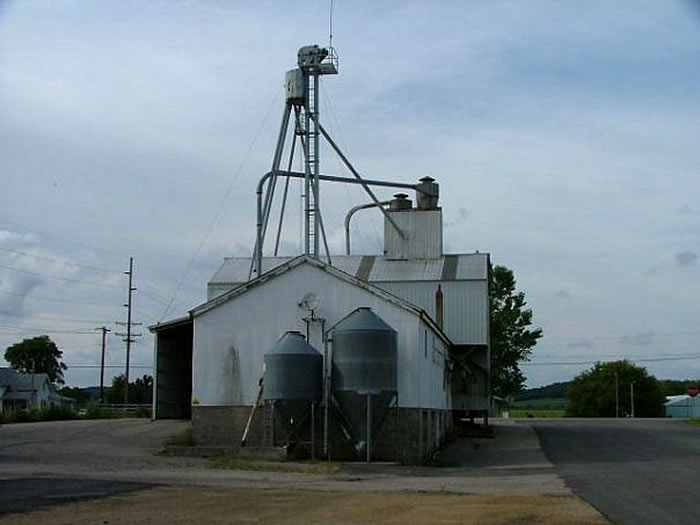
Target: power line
point(30, 329)
point(636, 360)
point(61, 238)
point(650, 335)
point(91, 246)
point(224, 199)
point(53, 317)
point(55, 299)
point(108, 366)
point(153, 298)
point(60, 261)
point(59, 278)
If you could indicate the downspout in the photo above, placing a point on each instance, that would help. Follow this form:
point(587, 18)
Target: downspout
point(326, 391)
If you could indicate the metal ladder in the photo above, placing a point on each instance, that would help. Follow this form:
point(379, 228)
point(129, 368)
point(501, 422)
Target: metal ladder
point(312, 166)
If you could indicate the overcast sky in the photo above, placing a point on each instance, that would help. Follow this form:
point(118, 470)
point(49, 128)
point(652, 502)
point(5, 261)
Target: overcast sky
point(564, 136)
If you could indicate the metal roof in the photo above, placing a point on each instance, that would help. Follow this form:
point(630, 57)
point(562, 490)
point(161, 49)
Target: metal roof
point(293, 343)
point(18, 381)
point(362, 319)
point(374, 268)
point(333, 270)
point(172, 323)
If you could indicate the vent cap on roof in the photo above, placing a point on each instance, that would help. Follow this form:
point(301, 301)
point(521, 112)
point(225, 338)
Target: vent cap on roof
point(427, 193)
point(400, 202)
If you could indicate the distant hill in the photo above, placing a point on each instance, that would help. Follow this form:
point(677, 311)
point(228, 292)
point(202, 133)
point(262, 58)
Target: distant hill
point(674, 387)
point(92, 391)
point(553, 391)
point(557, 391)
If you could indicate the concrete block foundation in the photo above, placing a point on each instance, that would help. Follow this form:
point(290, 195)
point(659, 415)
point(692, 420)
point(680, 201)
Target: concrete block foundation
point(410, 436)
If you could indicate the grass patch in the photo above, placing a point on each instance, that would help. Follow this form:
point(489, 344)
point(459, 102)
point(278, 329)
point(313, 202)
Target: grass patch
point(547, 403)
point(97, 411)
point(695, 422)
point(184, 438)
point(305, 467)
point(537, 413)
point(54, 413)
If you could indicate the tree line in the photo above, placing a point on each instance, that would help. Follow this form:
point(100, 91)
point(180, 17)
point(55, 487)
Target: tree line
point(41, 355)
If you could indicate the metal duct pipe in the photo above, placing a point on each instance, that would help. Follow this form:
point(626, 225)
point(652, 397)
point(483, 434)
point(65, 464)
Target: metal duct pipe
point(349, 216)
point(256, 263)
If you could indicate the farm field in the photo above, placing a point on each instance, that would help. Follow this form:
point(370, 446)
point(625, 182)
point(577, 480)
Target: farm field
point(539, 408)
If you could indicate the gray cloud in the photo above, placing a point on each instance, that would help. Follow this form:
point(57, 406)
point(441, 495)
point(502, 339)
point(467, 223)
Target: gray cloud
point(686, 258)
point(462, 215)
point(583, 343)
point(640, 339)
point(95, 115)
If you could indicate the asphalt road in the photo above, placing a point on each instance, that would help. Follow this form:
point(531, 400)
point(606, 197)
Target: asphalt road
point(26, 494)
point(50, 463)
point(633, 471)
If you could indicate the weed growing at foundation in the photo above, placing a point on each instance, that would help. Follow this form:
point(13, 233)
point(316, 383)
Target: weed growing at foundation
point(303, 467)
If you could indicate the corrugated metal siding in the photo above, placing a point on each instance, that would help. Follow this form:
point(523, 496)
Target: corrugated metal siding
point(465, 299)
point(414, 270)
point(230, 340)
point(683, 406)
point(347, 263)
point(235, 269)
point(472, 266)
point(465, 306)
point(422, 230)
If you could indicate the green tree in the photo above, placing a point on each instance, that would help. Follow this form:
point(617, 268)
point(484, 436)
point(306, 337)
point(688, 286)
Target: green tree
point(675, 387)
point(140, 391)
point(38, 355)
point(81, 395)
point(592, 393)
point(511, 340)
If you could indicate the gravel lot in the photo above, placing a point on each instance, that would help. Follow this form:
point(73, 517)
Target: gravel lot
point(117, 477)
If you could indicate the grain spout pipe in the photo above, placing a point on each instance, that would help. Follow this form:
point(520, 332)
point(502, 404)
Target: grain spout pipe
point(351, 213)
point(256, 265)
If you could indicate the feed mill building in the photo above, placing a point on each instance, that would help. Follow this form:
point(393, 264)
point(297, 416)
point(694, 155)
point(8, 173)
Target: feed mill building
point(346, 356)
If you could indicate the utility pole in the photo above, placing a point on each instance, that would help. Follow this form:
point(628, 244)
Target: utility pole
point(32, 398)
point(102, 363)
point(617, 399)
point(128, 337)
point(632, 398)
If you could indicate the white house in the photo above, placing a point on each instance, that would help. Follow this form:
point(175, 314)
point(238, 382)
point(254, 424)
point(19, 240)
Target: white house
point(682, 406)
point(22, 391)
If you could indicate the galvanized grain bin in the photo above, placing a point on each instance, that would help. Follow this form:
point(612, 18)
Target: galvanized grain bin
point(364, 374)
point(293, 370)
point(364, 353)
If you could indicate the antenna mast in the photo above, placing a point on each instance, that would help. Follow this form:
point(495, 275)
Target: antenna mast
point(330, 26)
